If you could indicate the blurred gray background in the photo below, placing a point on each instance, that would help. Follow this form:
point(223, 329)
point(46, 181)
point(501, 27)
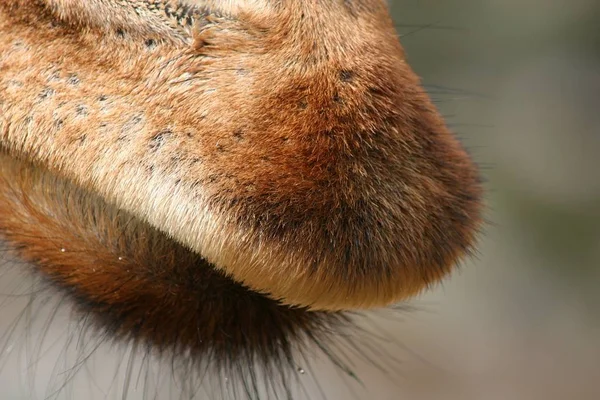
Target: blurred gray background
point(519, 82)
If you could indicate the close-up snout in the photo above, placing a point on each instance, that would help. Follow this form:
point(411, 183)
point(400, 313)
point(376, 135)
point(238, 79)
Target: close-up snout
point(301, 158)
point(297, 199)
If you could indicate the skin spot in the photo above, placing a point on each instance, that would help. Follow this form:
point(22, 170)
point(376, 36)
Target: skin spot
point(20, 45)
point(346, 75)
point(46, 93)
point(238, 135)
point(54, 76)
point(376, 91)
point(150, 44)
point(82, 110)
point(105, 104)
point(73, 79)
point(120, 33)
point(159, 139)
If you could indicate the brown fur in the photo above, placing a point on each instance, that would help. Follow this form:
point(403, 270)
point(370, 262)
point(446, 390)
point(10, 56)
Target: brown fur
point(135, 283)
point(288, 143)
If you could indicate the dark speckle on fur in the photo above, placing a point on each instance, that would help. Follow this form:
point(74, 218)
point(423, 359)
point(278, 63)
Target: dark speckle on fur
point(82, 110)
point(159, 139)
point(46, 93)
point(346, 75)
point(238, 135)
point(54, 76)
point(133, 125)
point(73, 79)
point(150, 44)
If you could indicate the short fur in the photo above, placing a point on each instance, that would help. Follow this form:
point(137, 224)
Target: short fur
point(287, 142)
point(133, 283)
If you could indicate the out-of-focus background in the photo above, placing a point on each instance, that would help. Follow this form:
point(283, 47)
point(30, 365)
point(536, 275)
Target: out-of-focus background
point(519, 82)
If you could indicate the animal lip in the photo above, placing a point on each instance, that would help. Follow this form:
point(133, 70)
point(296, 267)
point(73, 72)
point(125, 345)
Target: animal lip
point(323, 176)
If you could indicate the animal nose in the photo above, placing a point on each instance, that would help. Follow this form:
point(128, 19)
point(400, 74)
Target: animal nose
point(301, 157)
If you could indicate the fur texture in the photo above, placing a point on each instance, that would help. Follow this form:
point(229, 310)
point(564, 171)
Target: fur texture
point(133, 283)
point(288, 143)
point(141, 19)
